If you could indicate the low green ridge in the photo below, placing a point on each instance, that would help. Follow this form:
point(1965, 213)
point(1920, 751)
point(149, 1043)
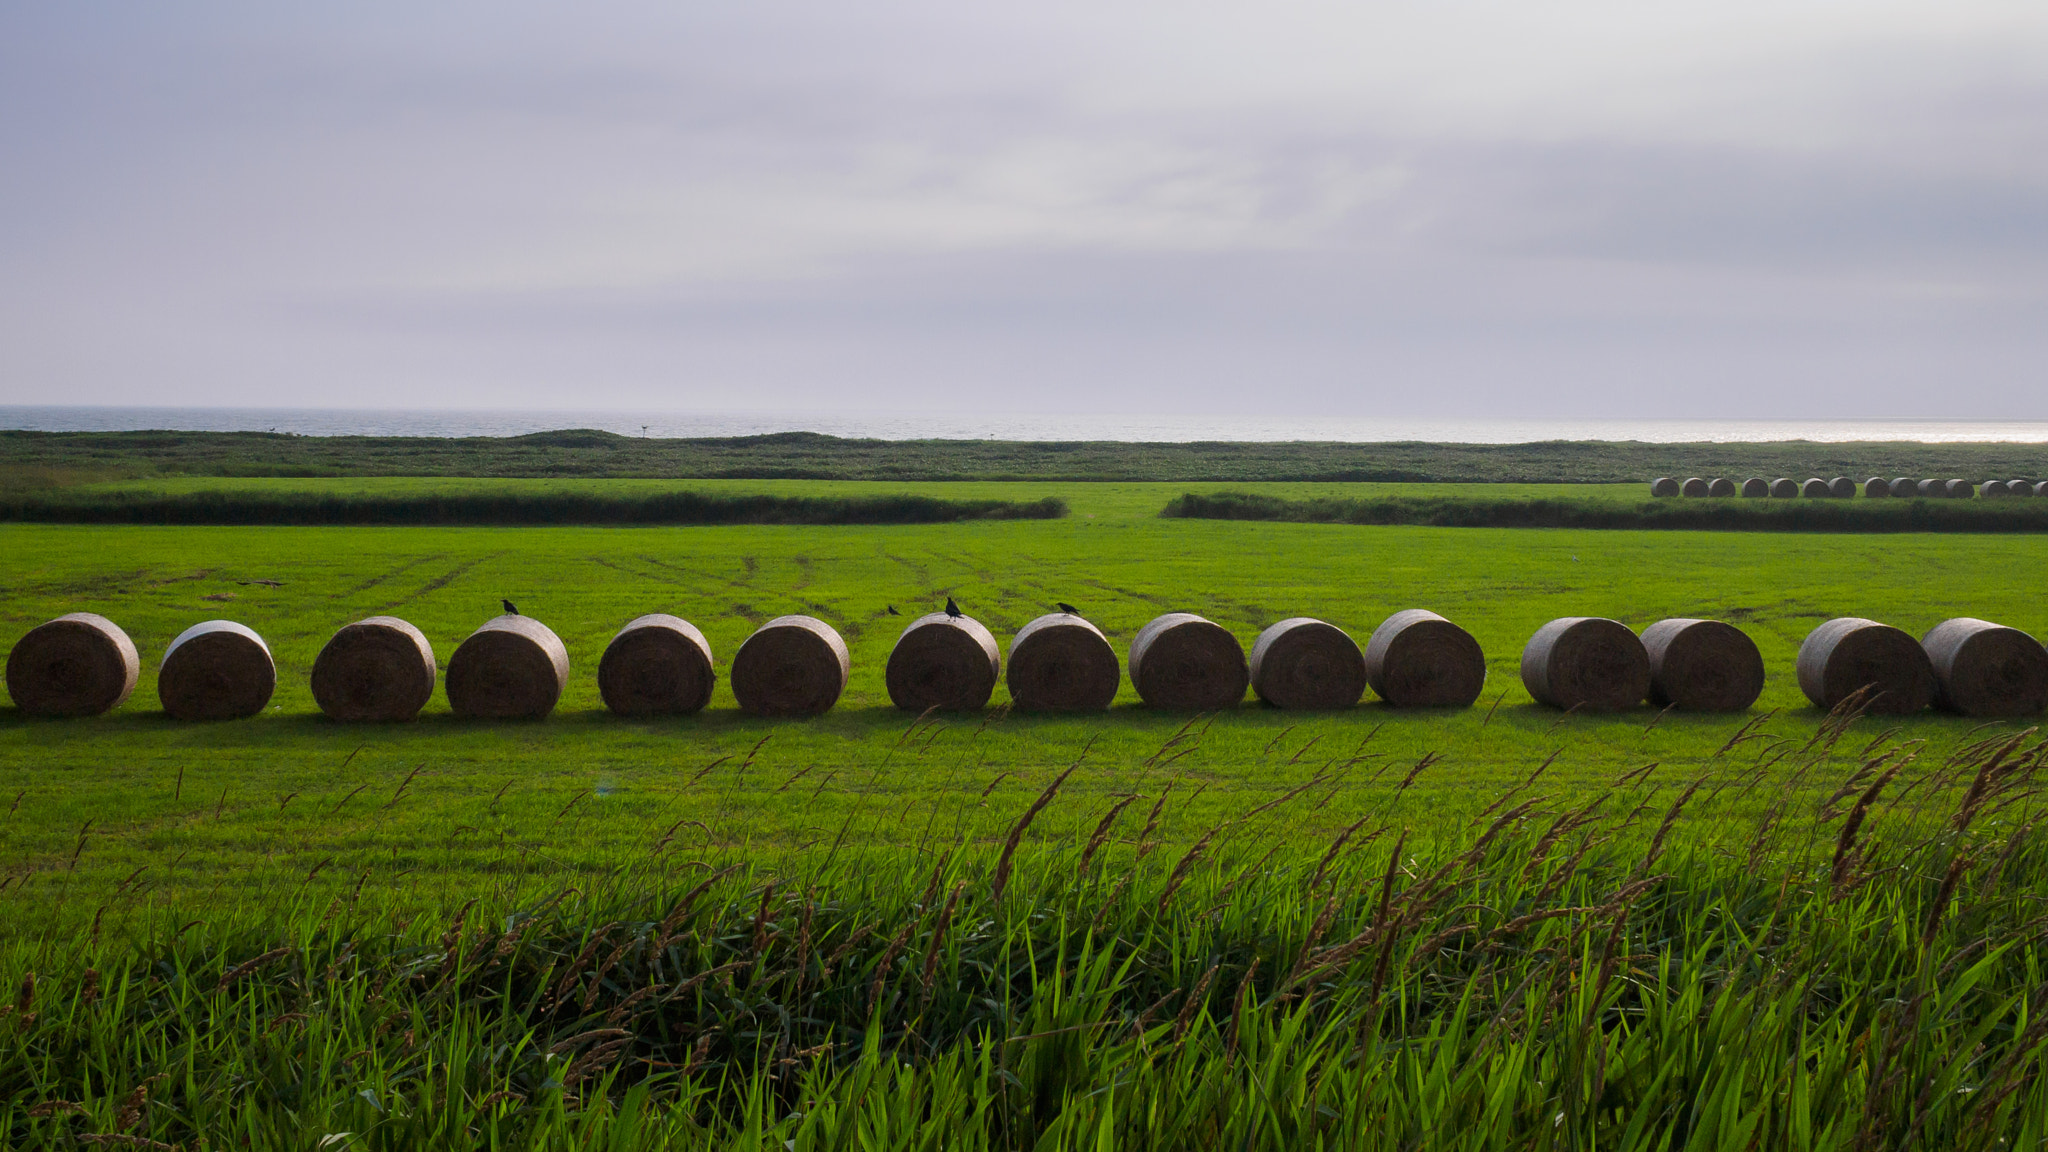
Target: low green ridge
point(1478, 511)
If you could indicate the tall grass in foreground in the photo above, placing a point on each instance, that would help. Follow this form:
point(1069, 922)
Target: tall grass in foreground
point(1863, 974)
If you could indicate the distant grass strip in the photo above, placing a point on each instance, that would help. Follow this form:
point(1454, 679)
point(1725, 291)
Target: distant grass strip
point(1723, 515)
point(510, 509)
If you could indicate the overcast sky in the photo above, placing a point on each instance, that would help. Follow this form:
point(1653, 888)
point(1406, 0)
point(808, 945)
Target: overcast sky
point(1736, 208)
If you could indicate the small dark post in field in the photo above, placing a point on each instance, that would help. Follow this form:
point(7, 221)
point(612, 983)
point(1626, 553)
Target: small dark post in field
point(1418, 659)
point(1986, 669)
point(1184, 662)
point(381, 668)
point(790, 666)
point(1586, 662)
point(1933, 489)
point(943, 661)
point(511, 668)
point(1664, 486)
point(658, 665)
point(1784, 488)
point(1721, 486)
point(1062, 663)
point(1961, 489)
point(1694, 487)
point(1843, 488)
point(1876, 486)
point(76, 665)
point(1849, 653)
point(1702, 665)
point(1307, 663)
point(1905, 486)
point(1816, 489)
point(216, 670)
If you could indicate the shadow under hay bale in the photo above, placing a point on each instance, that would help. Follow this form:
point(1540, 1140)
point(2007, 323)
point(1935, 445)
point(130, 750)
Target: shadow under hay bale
point(1586, 662)
point(1961, 489)
point(217, 670)
point(1877, 486)
point(658, 665)
point(1816, 489)
point(1848, 654)
point(1418, 659)
point(1702, 666)
point(1842, 488)
point(79, 664)
point(1933, 489)
point(1062, 663)
point(1183, 662)
point(1986, 669)
point(1721, 486)
point(1756, 487)
point(1905, 486)
point(381, 668)
point(1306, 663)
point(944, 662)
point(1694, 487)
point(790, 666)
point(1784, 488)
point(511, 668)
point(1664, 486)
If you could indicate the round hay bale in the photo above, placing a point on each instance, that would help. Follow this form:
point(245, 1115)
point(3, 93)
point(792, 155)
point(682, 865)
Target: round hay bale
point(2041, 488)
point(2018, 488)
point(1784, 488)
point(1721, 486)
point(511, 668)
point(944, 662)
point(1756, 486)
point(1849, 653)
point(1986, 669)
point(76, 665)
point(1702, 665)
point(1877, 486)
point(1843, 488)
point(1306, 663)
point(218, 670)
point(1418, 659)
point(1586, 662)
point(381, 668)
point(1934, 489)
point(1905, 486)
point(1062, 663)
point(1694, 486)
point(1663, 486)
point(1961, 489)
point(1816, 489)
point(1184, 662)
point(1993, 488)
point(658, 665)
point(790, 666)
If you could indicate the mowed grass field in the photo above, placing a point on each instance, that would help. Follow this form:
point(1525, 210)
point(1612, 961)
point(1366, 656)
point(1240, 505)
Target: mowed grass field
point(104, 818)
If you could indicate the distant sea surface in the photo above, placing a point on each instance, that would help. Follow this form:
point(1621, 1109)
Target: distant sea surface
point(918, 426)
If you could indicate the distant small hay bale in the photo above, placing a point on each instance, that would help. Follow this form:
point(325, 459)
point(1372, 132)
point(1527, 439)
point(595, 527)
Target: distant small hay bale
point(1784, 488)
point(1306, 663)
point(381, 668)
point(1183, 662)
point(1816, 489)
point(2041, 488)
point(1702, 665)
point(1933, 489)
point(217, 670)
point(510, 668)
point(1905, 486)
point(658, 665)
point(1756, 486)
point(1418, 659)
point(1877, 486)
point(1993, 488)
point(1586, 662)
point(1849, 653)
point(2019, 488)
point(944, 662)
point(1721, 486)
point(1062, 663)
point(1986, 669)
point(1694, 486)
point(79, 664)
point(790, 666)
point(1664, 486)
point(1842, 488)
point(1961, 489)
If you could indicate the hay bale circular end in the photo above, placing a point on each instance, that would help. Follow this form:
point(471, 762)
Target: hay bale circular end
point(1816, 489)
point(1418, 659)
point(1905, 486)
point(1933, 489)
point(1842, 487)
point(381, 668)
point(658, 665)
point(1062, 663)
point(944, 662)
point(1664, 486)
point(1784, 488)
point(1586, 662)
point(790, 666)
point(1302, 662)
point(2019, 488)
point(1693, 486)
point(79, 664)
point(1184, 662)
point(511, 668)
point(218, 670)
point(2041, 488)
point(1756, 486)
point(1993, 488)
point(1721, 486)
point(1702, 666)
point(1877, 486)
point(1986, 669)
point(1961, 489)
point(1848, 654)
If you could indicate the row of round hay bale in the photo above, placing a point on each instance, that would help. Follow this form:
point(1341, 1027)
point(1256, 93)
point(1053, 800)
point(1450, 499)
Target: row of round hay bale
point(1307, 663)
point(1850, 654)
point(1183, 662)
point(381, 668)
point(943, 661)
point(1062, 663)
point(1702, 665)
point(76, 665)
point(2013, 488)
point(1756, 487)
point(1418, 659)
point(1599, 665)
point(1694, 486)
point(657, 665)
point(790, 666)
point(510, 668)
point(216, 670)
point(1986, 669)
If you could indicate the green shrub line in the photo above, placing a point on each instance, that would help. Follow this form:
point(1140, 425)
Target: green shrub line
point(1915, 515)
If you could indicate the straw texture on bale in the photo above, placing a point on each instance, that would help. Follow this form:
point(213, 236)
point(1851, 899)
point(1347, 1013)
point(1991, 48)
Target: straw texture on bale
point(1664, 486)
point(658, 665)
point(381, 668)
point(790, 666)
point(1694, 487)
point(1849, 653)
point(79, 664)
point(1905, 486)
point(1877, 486)
point(1418, 659)
point(1933, 489)
point(1842, 487)
point(1993, 488)
point(1784, 488)
point(1586, 662)
point(944, 662)
point(1816, 489)
point(1756, 486)
point(1961, 489)
point(2019, 488)
point(1184, 662)
point(1062, 663)
point(1307, 663)
point(218, 670)
point(511, 668)
point(1986, 669)
point(1702, 665)
point(1721, 486)
point(2041, 487)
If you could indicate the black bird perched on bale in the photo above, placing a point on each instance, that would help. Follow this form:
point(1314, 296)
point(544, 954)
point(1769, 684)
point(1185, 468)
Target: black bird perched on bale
point(1069, 609)
point(892, 610)
point(952, 609)
point(511, 609)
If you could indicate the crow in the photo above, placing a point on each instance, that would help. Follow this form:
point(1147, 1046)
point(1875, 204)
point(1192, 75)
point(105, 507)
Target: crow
point(892, 610)
point(1069, 609)
point(511, 609)
point(952, 609)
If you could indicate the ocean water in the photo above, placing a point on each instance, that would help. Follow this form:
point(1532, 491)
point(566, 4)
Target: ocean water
point(921, 426)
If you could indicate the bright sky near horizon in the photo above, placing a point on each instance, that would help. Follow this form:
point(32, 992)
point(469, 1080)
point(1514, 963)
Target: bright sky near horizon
point(1739, 209)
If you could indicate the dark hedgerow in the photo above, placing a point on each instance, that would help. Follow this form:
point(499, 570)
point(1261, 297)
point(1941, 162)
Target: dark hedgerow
point(1480, 512)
